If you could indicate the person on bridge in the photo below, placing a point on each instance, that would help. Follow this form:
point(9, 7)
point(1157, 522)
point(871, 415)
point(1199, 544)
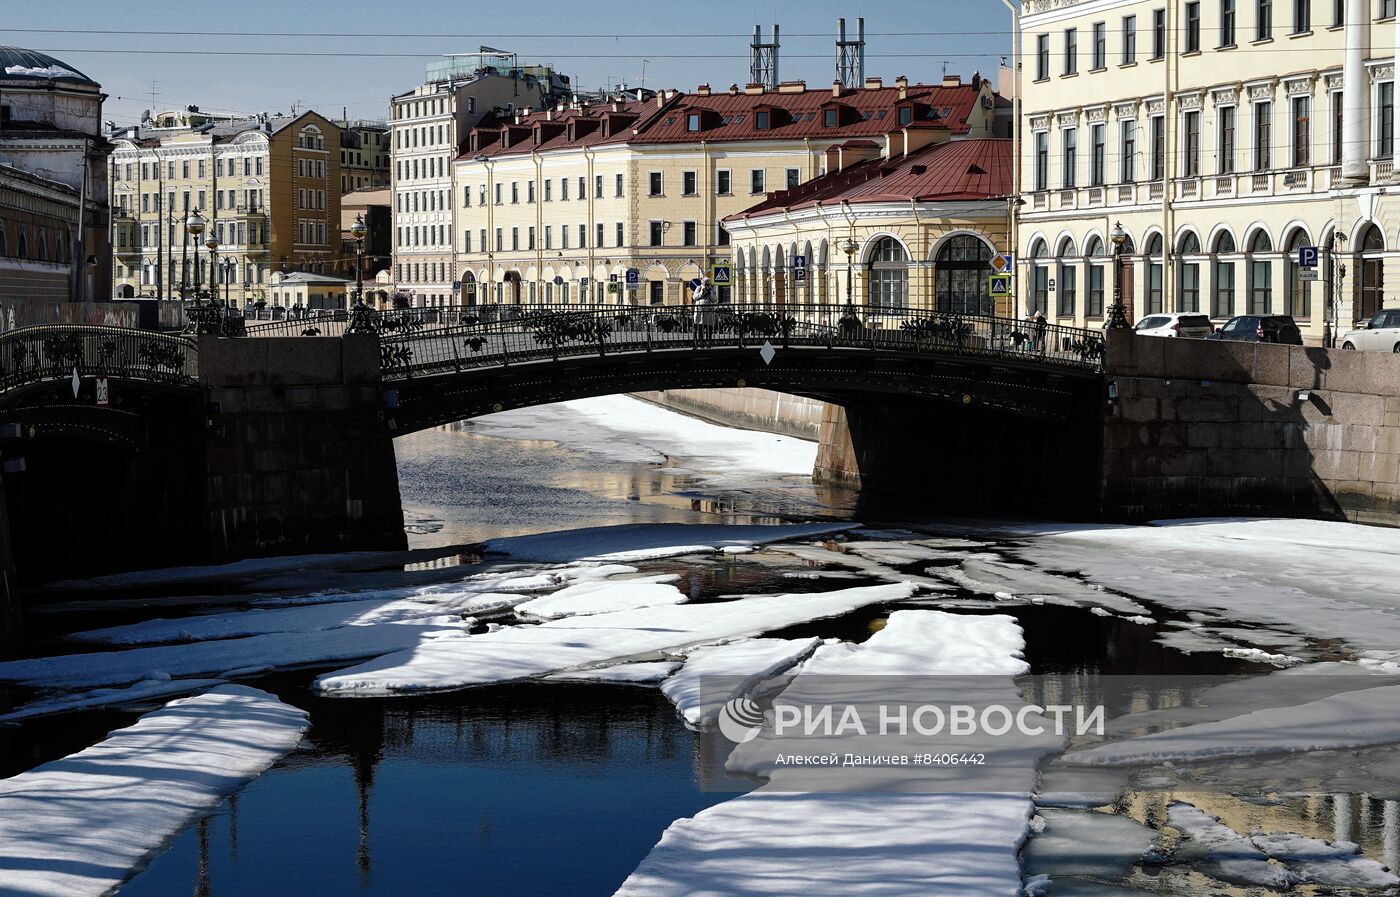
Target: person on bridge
point(703, 298)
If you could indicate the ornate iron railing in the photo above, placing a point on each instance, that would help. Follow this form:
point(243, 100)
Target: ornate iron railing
point(539, 334)
point(53, 352)
point(336, 322)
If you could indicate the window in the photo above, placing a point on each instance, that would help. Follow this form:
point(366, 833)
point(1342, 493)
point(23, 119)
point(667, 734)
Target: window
point(1302, 14)
point(514, 192)
point(1262, 114)
point(582, 187)
point(1068, 138)
point(832, 117)
point(1385, 119)
point(1261, 294)
point(906, 115)
point(563, 190)
point(498, 194)
point(617, 185)
point(1387, 9)
point(1158, 161)
point(1127, 152)
point(1159, 33)
point(1093, 307)
point(1099, 54)
point(1192, 28)
point(499, 244)
point(692, 121)
point(654, 184)
point(1129, 40)
point(1071, 51)
point(597, 186)
point(688, 183)
point(1042, 160)
point(960, 271)
point(722, 184)
point(1301, 134)
point(1042, 57)
point(688, 233)
point(1336, 98)
point(889, 274)
point(1339, 13)
point(1040, 280)
point(529, 191)
point(582, 236)
point(548, 235)
point(794, 178)
point(1263, 19)
point(1299, 299)
point(1227, 23)
point(1191, 127)
point(1067, 295)
point(598, 235)
point(756, 181)
point(654, 232)
point(656, 292)
point(620, 236)
point(1188, 285)
point(1154, 274)
point(760, 120)
point(721, 235)
point(1096, 160)
point(1225, 159)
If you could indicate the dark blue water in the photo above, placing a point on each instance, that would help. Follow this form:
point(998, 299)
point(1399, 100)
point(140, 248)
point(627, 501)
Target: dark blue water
point(528, 790)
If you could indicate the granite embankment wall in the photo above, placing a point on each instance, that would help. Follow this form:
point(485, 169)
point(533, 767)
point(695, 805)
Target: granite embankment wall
point(1214, 428)
point(751, 409)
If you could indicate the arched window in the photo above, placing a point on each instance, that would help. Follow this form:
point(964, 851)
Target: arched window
point(1299, 300)
point(1222, 302)
point(1372, 243)
point(1093, 305)
point(1069, 280)
point(4, 249)
point(43, 246)
point(1040, 279)
point(889, 274)
point(1154, 274)
point(1188, 281)
point(960, 271)
point(1261, 275)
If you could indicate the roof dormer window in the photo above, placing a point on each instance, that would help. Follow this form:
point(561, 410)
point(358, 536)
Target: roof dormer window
point(761, 119)
point(831, 117)
point(692, 121)
point(906, 115)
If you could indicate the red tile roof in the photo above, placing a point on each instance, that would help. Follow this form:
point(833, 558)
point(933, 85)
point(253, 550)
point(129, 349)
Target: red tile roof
point(596, 125)
point(971, 169)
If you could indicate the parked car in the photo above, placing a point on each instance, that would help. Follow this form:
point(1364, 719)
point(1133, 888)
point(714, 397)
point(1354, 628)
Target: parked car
point(1260, 329)
point(1380, 334)
point(1187, 325)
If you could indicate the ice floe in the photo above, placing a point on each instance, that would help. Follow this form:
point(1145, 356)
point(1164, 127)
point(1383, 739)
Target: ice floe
point(713, 675)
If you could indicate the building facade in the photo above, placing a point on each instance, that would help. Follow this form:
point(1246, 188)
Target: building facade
point(922, 227)
point(54, 244)
point(1225, 136)
point(364, 155)
point(427, 125)
point(267, 188)
point(556, 206)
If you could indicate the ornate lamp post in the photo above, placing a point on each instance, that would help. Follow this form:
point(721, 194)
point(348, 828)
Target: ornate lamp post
point(211, 242)
point(228, 264)
point(360, 317)
point(194, 225)
point(849, 247)
point(1117, 314)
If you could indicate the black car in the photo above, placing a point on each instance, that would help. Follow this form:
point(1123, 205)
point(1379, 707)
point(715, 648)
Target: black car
point(1260, 329)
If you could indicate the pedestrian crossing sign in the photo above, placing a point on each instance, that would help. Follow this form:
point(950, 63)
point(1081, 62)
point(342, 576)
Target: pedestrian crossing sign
point(719, 275)
point(999, 285)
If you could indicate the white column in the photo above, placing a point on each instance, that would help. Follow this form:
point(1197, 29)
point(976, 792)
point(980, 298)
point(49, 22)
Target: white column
point(1355, 89)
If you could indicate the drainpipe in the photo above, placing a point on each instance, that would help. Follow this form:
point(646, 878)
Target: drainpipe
point(539, 226)
point(1013, 235)
point(1355, 87)
point(796, 234)
point(919, 240)
point(1169, 167)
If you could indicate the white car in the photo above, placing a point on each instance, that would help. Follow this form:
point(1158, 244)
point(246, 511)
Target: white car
point(1172, 324)
point(1380, 334)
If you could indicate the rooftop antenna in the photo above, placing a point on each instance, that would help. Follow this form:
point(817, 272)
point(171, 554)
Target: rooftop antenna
point(763, 59)
point(850, 55)
point(644, 73)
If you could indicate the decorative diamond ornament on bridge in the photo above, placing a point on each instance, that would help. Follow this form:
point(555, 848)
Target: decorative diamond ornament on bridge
point(767, 352)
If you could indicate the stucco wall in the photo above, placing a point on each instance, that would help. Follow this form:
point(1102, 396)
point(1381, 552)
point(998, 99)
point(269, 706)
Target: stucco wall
point(750, 409)
point(1204, 427)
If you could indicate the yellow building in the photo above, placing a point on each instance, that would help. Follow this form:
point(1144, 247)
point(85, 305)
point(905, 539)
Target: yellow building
point(1225, 137)
point(556, 206)
point(268, 189)
point(915, 229)
point(364, 155)
point(300, 291)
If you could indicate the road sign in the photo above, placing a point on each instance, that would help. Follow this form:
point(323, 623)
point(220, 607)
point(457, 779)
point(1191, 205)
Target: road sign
point(799, 267)
point(1307, 273)
point(719, 274)
point(633, 277)
point(1003, 262)
point(456, 284)
point(1307, 256)
point(103, 396)
point(583, 282)
point(999, 285)
point(612, 278)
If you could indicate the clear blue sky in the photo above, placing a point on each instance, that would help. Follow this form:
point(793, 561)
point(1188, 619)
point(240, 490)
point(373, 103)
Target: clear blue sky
point(700, 42)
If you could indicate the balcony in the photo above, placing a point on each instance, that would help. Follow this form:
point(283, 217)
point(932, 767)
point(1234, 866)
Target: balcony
point(1189, 188)
point(1382, 170)
point(1259, 183)
point(1225, 185)
point(1126, 194)
point(1067, 198)
point(1040, 202)
point(1155, 191)
point(1095, 197)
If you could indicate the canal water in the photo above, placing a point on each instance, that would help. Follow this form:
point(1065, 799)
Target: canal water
point(562, 789)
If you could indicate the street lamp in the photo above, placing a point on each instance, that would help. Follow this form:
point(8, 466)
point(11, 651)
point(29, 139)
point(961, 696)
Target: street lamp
point(194, 226)
point(228, 264)
point(358, 231)
point(1117, 314)
point(849, 246)
point(211, 242)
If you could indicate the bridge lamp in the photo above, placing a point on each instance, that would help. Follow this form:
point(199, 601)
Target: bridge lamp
point(849, 246)
point(1118, 315)
point(211, 242)
point(358, 231)
point(194, 224)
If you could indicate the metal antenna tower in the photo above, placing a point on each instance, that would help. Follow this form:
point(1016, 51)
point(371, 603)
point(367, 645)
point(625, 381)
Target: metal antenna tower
point(763, 59)
point(850, 55)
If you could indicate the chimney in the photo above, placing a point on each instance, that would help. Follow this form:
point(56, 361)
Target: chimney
point(733, 90)
point(873, 83)
point(792, 87)
point(836, 88)
point(703, 90)
point(903, 84)
point(952, 80)
point(753, 89)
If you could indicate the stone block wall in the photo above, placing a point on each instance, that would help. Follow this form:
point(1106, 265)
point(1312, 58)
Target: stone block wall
point(299, 459)
point(1210, 428)
point(750, 409)
point(9, 587)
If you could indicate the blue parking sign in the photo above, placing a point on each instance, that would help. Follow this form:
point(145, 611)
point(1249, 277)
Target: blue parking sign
point(1307, 256)
point(799, 267)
